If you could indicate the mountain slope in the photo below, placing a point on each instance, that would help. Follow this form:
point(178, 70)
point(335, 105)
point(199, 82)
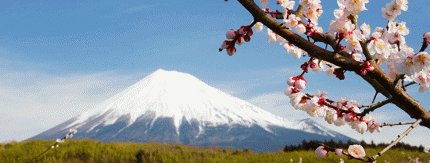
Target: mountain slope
point(170, 106)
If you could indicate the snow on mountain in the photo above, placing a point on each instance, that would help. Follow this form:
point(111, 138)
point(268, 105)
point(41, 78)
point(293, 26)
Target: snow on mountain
point(170, 106)
point(178, 95)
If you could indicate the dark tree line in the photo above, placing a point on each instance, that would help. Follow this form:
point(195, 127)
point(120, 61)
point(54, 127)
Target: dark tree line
point(313, 144)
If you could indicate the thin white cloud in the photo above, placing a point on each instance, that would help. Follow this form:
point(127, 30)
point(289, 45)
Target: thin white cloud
point(45, 101)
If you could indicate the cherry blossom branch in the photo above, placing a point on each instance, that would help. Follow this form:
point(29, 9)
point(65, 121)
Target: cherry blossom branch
point(398, 139)
point(240, 35)
point(395, 124)
point(363, 43)
point(299, 11)
point(374, 97)
point(378, 104)
point(410, 84)
point(398, 77)
point(377, 78)
point(388, 100)
point(424, 46)
point(69, 135)
point(325, 38)
point(374, 106)
point(345, 153)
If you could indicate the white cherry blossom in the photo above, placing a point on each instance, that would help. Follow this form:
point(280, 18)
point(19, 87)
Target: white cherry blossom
point(258, 26)
point(403, 4)
point(288, 4)
point(423, 79)
point(378, 48)
point(356, 151)
point(292, 21)
point(372, 126)
point(272, 36)
point(365, 29)
point(403, 29)
point(421, 59)
point(386, 14)
point(355, 6)
point(361, 127)
point(300, 29)
point(331, 116)
point(393, 8)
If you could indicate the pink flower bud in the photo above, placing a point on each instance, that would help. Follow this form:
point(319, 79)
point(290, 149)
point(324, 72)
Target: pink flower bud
point(310, 25)
point(242, 30)
point(341, 76)
point(367, 64)
point(230, 34)
point(427, 37)
point(342, 35)
point(247, 38)
point(231, 50)
point(349, 117)
point(363, 71)
point(321, 152)
point(339, 151)
point(278, 2)
point(225, 44)
point(240, 40)
point(250, 32)
point(313, 65)
point(300, 83)
point(370, 68)
point(300, 29)
point(290, 90)
point(291, 81)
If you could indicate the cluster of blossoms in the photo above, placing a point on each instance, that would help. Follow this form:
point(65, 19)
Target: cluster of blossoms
point(344, 28)
point(312, 10)
point(389, 44)
point(384, 44)
point(243, 34)
point(393, 9)
point(355, 151)
point(338, 112)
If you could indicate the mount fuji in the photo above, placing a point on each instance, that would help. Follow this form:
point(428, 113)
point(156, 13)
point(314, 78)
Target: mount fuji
point(175, 107)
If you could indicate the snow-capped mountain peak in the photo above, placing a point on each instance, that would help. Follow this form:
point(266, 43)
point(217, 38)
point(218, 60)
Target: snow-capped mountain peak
point(175, 107)
point(179, 96)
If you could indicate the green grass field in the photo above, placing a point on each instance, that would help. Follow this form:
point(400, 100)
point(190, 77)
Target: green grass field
point(84, 150)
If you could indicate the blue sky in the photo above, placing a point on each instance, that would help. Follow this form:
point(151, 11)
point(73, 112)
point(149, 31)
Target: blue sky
point(61, 58)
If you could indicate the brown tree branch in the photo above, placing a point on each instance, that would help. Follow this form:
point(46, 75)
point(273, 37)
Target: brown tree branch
point(374, 106)
point(395, 124)
point(398, 139)
point(424, 46)
point(377, 78)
